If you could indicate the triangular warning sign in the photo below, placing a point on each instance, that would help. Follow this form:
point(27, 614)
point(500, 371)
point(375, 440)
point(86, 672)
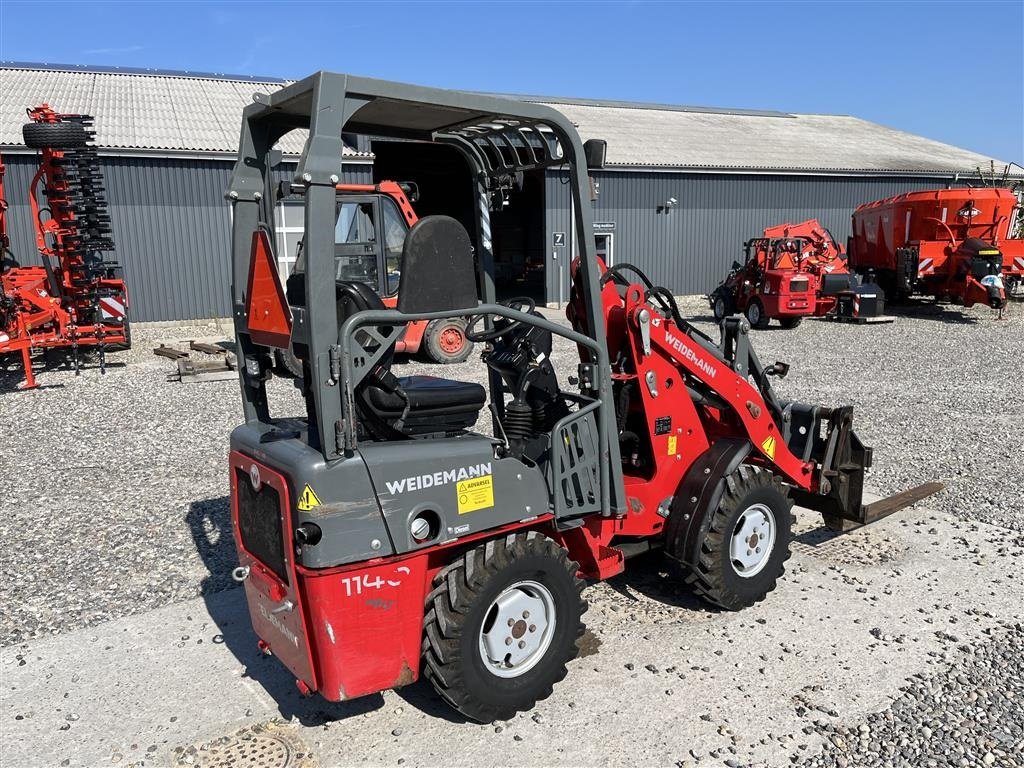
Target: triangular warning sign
point(308, 499)
point(768, 446)
point(270, 319)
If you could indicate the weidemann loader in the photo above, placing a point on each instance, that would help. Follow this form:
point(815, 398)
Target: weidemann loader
point(380, 536)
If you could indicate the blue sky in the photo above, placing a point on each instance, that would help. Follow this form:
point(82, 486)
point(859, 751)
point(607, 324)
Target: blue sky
point(951, 71)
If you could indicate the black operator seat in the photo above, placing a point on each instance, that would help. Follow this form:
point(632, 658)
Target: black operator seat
point(437, 274)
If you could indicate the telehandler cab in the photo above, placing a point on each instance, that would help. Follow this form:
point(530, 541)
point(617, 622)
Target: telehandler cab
point(372, 222)
point(380, 536)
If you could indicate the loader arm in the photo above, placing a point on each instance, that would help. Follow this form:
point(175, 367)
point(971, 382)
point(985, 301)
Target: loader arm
point(719, 379)
point(813, 448)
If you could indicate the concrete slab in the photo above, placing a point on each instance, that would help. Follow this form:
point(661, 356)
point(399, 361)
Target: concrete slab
point(663, 679)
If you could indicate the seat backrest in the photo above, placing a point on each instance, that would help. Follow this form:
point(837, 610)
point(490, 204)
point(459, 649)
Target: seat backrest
point(351, 296)
point(437, 267)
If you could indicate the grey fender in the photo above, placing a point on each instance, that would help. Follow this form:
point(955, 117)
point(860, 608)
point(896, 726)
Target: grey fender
point(698, 496)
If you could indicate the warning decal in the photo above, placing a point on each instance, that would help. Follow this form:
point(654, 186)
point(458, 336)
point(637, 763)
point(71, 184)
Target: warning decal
point(475, 494)
point(308, 499)
point(768, 446)
point(672, 445)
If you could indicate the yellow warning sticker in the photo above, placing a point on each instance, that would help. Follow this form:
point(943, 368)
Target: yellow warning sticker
point(672, 445)
point(768, 446)
point(308, 499)
point(475, 494)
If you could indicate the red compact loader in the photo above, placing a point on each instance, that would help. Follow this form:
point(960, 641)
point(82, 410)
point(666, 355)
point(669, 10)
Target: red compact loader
point(793, 271)
point(952, 244)
point(77, 298)
point(380, 536)
point(373, 220)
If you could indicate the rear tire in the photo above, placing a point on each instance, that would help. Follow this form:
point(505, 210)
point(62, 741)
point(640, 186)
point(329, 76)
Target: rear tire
point(790, 322)
point(756, 316)
point(126, 328)
point(54, 135)
point(755, 509)
point(525, 574)
point(286, 363)
point(444, 341)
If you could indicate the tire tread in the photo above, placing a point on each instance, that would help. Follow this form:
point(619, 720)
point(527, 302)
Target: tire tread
point(456, 588)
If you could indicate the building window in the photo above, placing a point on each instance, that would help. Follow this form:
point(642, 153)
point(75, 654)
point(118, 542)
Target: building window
point(290, 222)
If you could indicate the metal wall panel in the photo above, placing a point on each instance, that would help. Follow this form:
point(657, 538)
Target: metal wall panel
point(171, 229)
point(689, 248)
point(171, 224)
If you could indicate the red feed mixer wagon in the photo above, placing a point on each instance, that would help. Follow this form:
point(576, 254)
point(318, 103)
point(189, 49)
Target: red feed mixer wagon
point(953, 244)
point(76, 299)
point(791, 272)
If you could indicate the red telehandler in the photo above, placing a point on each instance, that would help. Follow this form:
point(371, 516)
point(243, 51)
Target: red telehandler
point(372, 222)
point(380, 536)
point(953, 244)
point(791, 272)
point(77, 298)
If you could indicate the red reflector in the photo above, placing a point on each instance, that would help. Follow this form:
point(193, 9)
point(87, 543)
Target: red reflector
point(270, 319)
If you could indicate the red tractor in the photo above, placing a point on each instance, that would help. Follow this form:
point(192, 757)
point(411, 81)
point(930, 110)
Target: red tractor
point(372, 222)
point(77, 298)
point(793, 271)
point(381, 536)
point(952, 244)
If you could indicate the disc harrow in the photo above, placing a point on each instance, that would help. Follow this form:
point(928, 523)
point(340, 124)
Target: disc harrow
point(76, 299)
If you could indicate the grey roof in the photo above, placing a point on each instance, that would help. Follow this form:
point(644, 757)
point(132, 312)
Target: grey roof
point(140, 111)
point(680, 137)
point(180, 112)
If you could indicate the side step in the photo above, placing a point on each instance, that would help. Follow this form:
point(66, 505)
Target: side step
point(876, 510)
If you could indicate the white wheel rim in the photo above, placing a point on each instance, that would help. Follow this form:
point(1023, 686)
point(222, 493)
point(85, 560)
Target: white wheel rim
point(720, 308)
point(752, 541)
point(517, 629)
point(755, 314)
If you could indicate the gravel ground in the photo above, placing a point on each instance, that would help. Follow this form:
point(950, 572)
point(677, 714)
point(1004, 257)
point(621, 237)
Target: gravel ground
point(115, 500)
point(968, 715)
point(117, 488)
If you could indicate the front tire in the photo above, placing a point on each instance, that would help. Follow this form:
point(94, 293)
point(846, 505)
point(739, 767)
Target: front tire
point(746, 544)
point(790, 322)
point(501, 624)
point(722, 307)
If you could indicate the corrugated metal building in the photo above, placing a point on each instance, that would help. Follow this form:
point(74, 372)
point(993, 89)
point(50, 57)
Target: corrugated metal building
point(683, 188)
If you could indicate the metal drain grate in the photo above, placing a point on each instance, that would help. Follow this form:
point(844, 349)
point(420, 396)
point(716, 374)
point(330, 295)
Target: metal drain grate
point(260, 746)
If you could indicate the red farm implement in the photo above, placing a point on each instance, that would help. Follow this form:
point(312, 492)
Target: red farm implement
point(76, 298)
point(791, 272)
point(953, 244)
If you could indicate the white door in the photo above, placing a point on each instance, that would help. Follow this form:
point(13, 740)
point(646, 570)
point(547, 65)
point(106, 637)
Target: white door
point(605, 247)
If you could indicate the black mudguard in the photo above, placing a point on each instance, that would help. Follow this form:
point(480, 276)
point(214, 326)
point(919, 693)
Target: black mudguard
point(698, 496)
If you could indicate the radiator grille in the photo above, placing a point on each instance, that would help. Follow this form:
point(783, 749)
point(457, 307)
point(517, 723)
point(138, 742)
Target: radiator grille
point(259, 524)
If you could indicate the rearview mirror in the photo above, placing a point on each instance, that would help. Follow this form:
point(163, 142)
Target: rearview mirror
point(595, 150)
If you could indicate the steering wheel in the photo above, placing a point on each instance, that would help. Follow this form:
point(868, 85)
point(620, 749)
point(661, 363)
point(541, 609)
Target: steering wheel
point(502, 325)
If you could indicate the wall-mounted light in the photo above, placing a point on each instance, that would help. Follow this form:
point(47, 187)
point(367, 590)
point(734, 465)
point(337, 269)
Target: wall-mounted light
point(668, 205)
